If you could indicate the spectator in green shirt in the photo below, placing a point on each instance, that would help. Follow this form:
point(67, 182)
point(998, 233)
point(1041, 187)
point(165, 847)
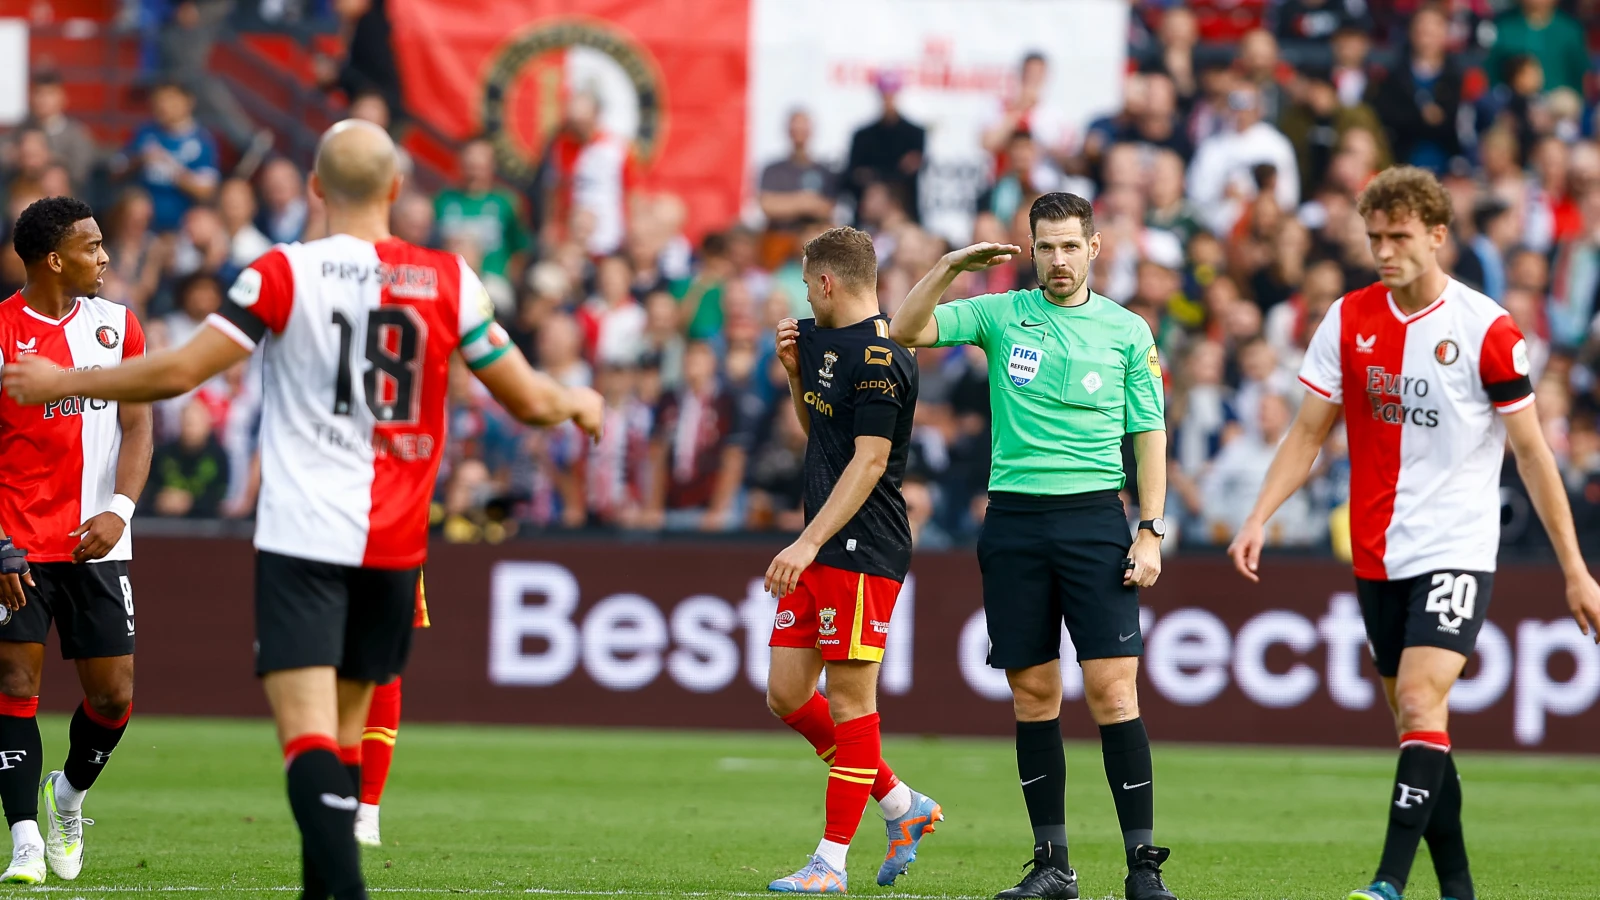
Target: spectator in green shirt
point(490, 216)
point(700, 298)
point(1547, 34)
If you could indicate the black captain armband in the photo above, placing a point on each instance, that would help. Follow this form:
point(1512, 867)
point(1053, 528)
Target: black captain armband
point(243, 319)
point(13, 559)
point(1507, 391)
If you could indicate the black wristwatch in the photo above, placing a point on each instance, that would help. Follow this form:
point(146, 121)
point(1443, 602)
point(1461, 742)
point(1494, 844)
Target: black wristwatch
point(1157, 527)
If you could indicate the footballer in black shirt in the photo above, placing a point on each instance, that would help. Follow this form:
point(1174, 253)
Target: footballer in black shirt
point(855, 391)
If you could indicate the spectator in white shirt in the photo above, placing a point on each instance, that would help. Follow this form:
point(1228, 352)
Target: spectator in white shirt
point(617, 320)
point(1259, 376)
point(1225, 170)
point(237, 204)
point(1229, 488)
point(1027, 110)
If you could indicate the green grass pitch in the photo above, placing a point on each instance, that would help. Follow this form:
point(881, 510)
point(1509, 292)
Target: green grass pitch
point(196, 808)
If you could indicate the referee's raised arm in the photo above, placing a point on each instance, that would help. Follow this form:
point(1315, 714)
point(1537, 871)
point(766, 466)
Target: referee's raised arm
point(913, 324)
point(1071, 375)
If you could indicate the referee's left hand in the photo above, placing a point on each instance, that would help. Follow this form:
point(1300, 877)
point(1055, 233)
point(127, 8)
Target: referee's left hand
point(1146, 555)
point(99, 535)
point(784, 573)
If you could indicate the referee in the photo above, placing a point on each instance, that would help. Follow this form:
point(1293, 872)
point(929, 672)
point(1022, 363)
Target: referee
point(1070, 373)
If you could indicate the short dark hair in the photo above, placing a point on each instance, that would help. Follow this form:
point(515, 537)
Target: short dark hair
point(1512, 68)
point(1032, 57)
point(1485, 211)
point(191, 282)
point(847, 253)
point(170, 85)
point(715, 243)
point(1402, 190)
point(1060, 206)
point(44, 224)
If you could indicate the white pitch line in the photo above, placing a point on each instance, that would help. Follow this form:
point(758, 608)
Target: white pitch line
point(556, 892)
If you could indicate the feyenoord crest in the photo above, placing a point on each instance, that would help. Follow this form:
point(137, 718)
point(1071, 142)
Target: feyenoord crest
point(107, 336)
point(1023, 364)
point(1446, 352)
point(825, 620)
point(518, 93)
point(5, 616)
point(828, 359)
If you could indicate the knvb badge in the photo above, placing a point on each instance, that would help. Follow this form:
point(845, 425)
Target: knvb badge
point(1024, 364)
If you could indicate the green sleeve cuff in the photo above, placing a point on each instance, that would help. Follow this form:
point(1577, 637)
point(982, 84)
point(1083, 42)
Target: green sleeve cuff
point(488, 358)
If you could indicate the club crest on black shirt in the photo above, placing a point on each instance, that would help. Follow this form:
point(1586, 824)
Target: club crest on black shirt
point(859, 382)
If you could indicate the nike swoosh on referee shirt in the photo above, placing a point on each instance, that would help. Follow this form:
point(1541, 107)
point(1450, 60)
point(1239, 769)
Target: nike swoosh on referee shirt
point(1027, 324)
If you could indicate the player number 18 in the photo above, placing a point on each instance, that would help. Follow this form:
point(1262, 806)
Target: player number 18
point(392, 346)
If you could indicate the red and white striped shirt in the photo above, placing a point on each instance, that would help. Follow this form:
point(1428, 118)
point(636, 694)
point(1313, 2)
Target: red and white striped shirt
point(358, 341)
point(1423, 395)
point(58, 462)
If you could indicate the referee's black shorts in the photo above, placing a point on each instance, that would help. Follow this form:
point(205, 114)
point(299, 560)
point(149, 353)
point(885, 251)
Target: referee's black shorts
point(1049, 560)
point(357, 620)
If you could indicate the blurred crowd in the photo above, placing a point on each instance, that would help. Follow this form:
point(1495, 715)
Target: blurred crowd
point(1224, 189)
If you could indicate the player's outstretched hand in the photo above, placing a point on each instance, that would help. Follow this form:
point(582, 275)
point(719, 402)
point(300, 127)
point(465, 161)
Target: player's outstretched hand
point(98, 536)
point(33, 381)
point(1245, 551)
point(784, 573)
point(13, 575)
point(1583, 598)
point(589, 411)
point(982, 256)
point(1146, 556)
point(789, 345)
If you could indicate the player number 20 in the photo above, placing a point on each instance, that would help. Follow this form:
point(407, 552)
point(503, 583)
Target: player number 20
point(1453, 595)
point(392, 346)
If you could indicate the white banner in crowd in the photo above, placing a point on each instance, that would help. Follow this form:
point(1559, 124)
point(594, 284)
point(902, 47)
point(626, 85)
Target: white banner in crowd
point(13, 71)
point(957, 59)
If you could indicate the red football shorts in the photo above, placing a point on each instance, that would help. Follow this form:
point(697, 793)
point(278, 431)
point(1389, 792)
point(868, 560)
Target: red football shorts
point(843, 614)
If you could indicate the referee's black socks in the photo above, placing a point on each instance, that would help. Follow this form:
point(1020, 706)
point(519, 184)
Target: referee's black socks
point(21, 761)
point(1126, 749)
point(1042, 767)
point(324, 803)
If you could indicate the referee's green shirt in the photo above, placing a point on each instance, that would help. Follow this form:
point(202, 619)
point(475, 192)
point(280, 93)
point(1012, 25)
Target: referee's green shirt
point(1065, 384)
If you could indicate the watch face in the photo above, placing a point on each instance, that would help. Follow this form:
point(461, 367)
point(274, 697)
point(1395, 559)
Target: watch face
point(1158, 527)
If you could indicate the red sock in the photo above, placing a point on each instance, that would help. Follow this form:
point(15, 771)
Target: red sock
point(815, 723)
point(377, 742)
point(308, 742)
point(850, 778)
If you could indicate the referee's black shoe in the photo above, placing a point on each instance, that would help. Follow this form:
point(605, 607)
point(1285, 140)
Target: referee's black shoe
point(1144, 874)
point(1044, 882)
